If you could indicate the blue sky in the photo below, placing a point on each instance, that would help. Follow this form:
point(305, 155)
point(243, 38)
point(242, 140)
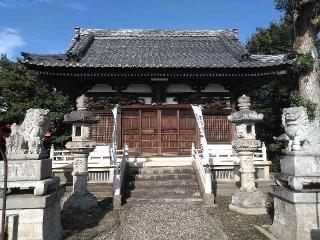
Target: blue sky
point(47, 26)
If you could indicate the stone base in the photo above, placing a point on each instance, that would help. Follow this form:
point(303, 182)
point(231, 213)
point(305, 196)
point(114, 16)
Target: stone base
point(34, 217)
point(40, 187)
point(296, 214)
point(83, 202)
point(208, 199)
point(80, 211)
point(78, 220)
point(27, 169)
point(249, 203)
point(117, 199)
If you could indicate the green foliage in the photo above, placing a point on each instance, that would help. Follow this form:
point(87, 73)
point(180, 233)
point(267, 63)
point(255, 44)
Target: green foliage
point(296, 100)
point(304, 63)
point(21, 91)
point(288, 6)
point(276, 39)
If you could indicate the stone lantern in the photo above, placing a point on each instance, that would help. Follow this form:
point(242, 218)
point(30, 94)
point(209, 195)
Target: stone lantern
point(80, 147)
point(247, 199)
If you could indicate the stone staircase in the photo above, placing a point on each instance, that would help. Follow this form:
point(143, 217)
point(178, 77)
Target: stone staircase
point(165, 183)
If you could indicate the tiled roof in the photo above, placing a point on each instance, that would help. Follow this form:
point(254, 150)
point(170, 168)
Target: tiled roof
point(99, 48)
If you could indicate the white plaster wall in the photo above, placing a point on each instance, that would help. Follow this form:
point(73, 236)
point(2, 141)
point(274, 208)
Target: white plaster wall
point(101, 88)
point(169, 100)
point(215, 88)
point(147, 100)
point(179, 88)
point(139, 88)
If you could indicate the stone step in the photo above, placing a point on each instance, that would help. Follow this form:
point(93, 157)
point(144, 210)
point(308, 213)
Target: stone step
point(161, 170)
point(164, 193)
point(162, 184)
point(162, 177)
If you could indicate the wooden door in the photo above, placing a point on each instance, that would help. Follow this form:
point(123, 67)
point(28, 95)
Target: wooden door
point(149, 133)
point(131, 131)
point(159, 132)
point(188, 132)
point(169, 133)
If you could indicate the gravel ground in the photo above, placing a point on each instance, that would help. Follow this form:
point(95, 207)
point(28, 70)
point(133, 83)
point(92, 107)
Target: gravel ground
point(235, 225)
point(172, 220)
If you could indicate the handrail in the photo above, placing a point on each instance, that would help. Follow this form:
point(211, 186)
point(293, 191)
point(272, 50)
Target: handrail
point(66, 156)
point(203, 170)
point(120, 173)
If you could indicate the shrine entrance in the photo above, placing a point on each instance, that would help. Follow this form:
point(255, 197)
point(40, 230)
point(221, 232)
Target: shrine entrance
point(159, 132)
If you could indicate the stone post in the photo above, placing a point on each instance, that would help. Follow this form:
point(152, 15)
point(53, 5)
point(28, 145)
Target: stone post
point(80, 202)
point(247, 199)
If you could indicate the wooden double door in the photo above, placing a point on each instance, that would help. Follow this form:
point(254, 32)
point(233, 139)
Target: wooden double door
point(159, 132)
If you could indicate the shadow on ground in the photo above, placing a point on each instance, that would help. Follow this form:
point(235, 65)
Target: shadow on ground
point(103, 221)
point(238, 226)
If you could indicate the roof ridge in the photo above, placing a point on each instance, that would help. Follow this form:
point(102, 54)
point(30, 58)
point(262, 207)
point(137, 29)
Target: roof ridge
point(156, 32)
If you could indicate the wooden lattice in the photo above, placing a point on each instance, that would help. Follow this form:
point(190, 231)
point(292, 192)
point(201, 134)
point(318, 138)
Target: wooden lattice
point(217, 128)
point(102, 131)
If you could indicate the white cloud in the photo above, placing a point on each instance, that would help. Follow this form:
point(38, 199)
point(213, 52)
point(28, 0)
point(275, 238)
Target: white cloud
point(10, 41)
point(76, 6)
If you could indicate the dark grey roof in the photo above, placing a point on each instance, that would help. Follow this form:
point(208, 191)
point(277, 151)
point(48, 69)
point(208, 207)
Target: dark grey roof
point(154, 48)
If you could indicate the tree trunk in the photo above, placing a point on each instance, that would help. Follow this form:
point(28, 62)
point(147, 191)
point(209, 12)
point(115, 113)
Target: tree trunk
point(304, 43)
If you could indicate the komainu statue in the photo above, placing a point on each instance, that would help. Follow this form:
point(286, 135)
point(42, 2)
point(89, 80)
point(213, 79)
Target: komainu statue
point(25, 141)
point(303, 134)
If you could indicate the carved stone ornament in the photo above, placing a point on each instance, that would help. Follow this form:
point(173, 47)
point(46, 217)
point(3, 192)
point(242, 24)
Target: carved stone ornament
point(82, 102)
point(111, 102)
point(303, 134)
point(25, 141)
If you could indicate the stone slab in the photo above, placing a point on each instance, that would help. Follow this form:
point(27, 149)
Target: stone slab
point(301, 165)
point(27, 169)
point(296, 183)
point(29, 201)
point(296, 214)
point(293, 196)
point(40, 187)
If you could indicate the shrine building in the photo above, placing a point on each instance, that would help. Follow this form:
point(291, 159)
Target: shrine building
point(155, 76)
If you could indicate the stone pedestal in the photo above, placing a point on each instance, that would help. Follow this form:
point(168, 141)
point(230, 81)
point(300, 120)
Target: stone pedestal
point(80, 199)
point(34, 217)
point(296, 214)
point(248, 200)
point(31, 173)
point(299, 169)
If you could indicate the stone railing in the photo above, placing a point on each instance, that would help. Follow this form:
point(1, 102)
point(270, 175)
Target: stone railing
point(99, 165)
point(119, 178)
point(225, 164)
